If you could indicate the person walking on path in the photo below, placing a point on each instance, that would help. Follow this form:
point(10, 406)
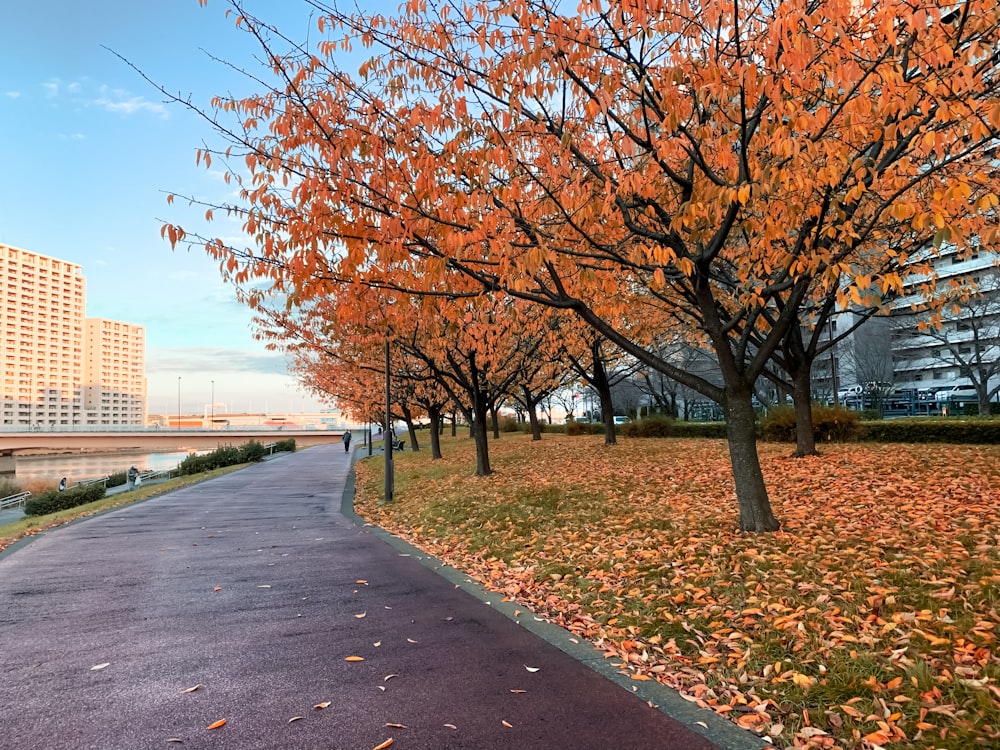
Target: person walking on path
point(347, 441)
point(131, 475)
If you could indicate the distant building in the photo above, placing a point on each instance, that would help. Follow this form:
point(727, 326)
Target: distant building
point(45, 339)
point(900, 350)
point(968, 337)
point(114, 373)
point(42, 338)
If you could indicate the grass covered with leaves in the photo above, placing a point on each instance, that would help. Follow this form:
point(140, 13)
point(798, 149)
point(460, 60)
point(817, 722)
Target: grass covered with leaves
point(870, 620)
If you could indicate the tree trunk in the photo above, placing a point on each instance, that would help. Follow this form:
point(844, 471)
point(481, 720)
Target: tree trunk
point(603, 388)
point(495, 420)
point(536, 430)
point(798, 365)
point(411, 430)
point(751, 493)
point(435, 416)
point(479, 432)
point(805, 436)
point(454, 424)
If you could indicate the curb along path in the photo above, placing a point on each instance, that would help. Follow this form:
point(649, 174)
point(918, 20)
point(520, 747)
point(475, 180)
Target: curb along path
point(255, 589)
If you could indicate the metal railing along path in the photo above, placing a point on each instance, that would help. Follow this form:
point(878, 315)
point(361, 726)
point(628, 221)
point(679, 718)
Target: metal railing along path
point(14, 501)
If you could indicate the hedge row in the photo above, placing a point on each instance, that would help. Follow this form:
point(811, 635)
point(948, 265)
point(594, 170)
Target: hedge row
point(52, 500)
point(972, 431)
point(830, 425)
point(224, 455)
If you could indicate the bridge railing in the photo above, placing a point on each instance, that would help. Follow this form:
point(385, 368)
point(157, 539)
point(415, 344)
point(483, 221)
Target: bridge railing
point(14, 501)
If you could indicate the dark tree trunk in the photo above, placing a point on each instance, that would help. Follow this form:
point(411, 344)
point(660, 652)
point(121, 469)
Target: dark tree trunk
point(434, 413)
point(798, 364)
point(411, 430)
point(532, 403)
point(479, 432)
point(603, 388)
point(454, 424)
point(751, 493)
point(495, 421)
point(805, 436)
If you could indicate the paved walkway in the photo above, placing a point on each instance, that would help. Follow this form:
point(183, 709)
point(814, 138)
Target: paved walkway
point(255, 589)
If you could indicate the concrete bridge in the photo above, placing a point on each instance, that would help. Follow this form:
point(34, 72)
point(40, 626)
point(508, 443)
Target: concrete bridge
point(152, 440)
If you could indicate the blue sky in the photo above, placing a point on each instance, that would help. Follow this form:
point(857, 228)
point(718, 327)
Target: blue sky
point(91, 152)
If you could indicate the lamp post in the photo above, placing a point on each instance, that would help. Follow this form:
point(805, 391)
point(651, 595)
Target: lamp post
point(178, 402)
point(387, 437)
point(211, 424)
point(833, 366)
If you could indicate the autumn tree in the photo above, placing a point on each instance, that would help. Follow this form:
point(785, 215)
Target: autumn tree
point(725, 162)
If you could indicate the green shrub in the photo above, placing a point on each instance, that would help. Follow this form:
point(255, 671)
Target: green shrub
point(543, 426)
point(251, 452)
point(117, 479)
point(981, 431)
point(831, 424)
point(52, 500)
point(509, 424)
point(224, 455)
point(585, 428)
point(286, 446)
point(708, 430)
point(654, 426)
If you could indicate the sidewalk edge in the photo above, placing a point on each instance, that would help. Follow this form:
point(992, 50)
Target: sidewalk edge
point(721, 731)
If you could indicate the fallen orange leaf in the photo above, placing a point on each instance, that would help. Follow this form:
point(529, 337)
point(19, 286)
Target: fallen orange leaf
point(383, 745)
point(199, 686)
point(216, 725)
point(355, 658)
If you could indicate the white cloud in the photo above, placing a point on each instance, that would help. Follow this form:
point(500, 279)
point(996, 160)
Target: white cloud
point(83, 92)
point(12, 94)
point(71, 136)
point(121, 102)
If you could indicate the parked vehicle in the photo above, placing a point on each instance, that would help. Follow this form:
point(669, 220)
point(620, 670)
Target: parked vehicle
point(960, 392)
point(621, 420)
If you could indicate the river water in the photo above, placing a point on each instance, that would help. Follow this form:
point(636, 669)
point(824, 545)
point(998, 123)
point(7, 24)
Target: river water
point(79, 468)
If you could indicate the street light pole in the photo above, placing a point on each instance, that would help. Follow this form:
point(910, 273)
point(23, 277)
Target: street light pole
point(178, 402)
point(211, 424)
point(833, 366)
point(387, 437)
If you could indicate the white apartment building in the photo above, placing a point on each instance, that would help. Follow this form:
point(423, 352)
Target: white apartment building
point(44, 344)
point(969, 335)
point(114, 375)
point(896, 349)
point(41, 338)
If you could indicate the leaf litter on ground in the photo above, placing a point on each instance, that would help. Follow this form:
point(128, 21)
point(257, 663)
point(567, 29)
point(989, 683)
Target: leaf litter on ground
point(870, 619)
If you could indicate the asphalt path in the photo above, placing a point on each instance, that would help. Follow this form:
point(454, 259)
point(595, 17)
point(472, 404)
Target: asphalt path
point(257, 591)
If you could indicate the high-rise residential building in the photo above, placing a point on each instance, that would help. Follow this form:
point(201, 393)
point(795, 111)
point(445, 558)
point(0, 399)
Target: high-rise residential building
point(965, 347)
point(59, 369)
point(114, 377)
point(41, 338)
